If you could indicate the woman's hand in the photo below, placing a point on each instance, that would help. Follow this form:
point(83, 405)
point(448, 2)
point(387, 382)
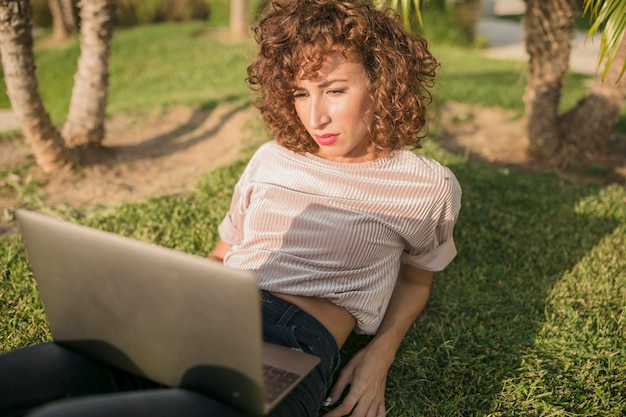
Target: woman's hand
point(366, 375)
point(219, 251)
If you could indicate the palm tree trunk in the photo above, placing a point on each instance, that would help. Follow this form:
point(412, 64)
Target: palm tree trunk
point(85, 121)
point(16, 48)
point(67, 10)
point(238, 19)
point(467, 14)
point(589, 126)
point(62, 19)
point(549, 30)
point(59, 30)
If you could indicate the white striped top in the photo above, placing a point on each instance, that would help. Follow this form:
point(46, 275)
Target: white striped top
point(314, 227)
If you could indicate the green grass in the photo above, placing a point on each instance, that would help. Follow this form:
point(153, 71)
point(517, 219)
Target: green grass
point(527, 321)
point(151, 67)
point(184, 66)
point(468, 77)
point(168, 64)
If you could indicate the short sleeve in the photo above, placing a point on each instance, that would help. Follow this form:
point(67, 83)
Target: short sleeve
point(440, 249)
point(231, 227)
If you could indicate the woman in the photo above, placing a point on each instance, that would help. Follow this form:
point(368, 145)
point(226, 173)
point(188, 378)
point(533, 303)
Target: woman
point(336, 216)
point(342, 224)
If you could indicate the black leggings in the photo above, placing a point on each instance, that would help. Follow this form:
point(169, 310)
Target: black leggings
point(50, 372)
point(49, 380)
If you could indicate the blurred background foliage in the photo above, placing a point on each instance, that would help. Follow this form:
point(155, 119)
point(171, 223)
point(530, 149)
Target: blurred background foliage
point(143, 12)
point(444, 21)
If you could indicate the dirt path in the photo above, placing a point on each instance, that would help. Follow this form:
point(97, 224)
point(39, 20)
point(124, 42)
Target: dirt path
point(148, 154)
point(153, 154)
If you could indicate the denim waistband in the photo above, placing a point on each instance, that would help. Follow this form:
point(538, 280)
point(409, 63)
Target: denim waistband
point(290, 312)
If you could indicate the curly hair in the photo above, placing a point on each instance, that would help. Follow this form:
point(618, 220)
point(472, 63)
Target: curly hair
point(296, 36)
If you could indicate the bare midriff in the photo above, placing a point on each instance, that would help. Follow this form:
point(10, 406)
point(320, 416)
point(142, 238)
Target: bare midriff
point(337, 320)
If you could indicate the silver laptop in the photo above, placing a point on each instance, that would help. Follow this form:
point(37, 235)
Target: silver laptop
point(178, 319)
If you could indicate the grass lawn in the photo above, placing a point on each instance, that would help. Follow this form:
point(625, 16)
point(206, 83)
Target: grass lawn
point(529, 320)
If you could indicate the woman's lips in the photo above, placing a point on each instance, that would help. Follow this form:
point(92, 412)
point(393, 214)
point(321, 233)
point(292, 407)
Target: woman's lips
point(326, 139)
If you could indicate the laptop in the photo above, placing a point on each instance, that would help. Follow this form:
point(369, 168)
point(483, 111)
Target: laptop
point(178, 319)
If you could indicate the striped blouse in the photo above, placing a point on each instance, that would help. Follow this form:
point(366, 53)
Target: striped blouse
point(313, 227)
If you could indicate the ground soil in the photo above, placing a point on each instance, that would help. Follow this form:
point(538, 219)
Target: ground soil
point(152, 154)
point(144, 155)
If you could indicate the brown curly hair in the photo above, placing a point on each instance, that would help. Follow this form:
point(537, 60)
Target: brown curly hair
point(296, 36)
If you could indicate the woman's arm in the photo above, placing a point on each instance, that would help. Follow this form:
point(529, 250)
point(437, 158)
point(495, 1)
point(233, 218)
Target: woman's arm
point(366, 373)
point(219, 251)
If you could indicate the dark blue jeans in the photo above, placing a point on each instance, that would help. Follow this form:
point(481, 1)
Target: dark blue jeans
point(49, 380)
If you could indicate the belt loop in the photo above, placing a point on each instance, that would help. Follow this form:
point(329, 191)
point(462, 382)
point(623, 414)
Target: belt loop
point(285, 309)
point(287, 315)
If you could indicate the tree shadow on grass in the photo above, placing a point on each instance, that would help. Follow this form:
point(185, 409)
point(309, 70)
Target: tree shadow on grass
point(197, 128)
point(517, 235)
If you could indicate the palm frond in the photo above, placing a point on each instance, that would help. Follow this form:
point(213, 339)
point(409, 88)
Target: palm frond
point(403, 7)
point(610, 14)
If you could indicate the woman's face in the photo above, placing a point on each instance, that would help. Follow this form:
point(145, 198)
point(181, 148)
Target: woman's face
point(337, 111)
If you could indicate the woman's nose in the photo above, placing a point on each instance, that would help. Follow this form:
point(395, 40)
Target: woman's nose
point(318, 114)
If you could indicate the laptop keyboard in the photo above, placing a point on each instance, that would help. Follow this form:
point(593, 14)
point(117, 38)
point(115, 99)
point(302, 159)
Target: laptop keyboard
point(276, 381)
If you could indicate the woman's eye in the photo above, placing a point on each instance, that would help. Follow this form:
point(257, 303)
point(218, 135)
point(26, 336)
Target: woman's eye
point(298, 95)
point(336, 92)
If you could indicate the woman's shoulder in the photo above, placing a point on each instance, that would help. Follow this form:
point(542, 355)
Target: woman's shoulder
point(421, 165)
point(272, 150)
point(270, 147)
point(266, 153)
point(272, 159)
point(427, 172)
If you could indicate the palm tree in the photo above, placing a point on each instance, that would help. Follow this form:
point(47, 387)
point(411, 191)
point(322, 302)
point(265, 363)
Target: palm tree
point(85, 124)
point(16, 48)
point(581, 135)
point(238, 19)
point(405, 8)
point(466, 12)
point(85, 120)
point(610, 14)
point(63, 21)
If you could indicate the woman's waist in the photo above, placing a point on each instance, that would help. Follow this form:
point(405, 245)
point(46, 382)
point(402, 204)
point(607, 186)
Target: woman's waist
point(337, 320)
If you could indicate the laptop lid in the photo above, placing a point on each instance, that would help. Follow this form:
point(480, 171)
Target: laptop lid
point(178, 319)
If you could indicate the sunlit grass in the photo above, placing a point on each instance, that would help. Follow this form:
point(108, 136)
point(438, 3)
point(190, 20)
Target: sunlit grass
point(184, 64)
point(527, 321)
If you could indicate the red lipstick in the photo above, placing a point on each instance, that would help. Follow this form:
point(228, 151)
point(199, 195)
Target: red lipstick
point(326, 139)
